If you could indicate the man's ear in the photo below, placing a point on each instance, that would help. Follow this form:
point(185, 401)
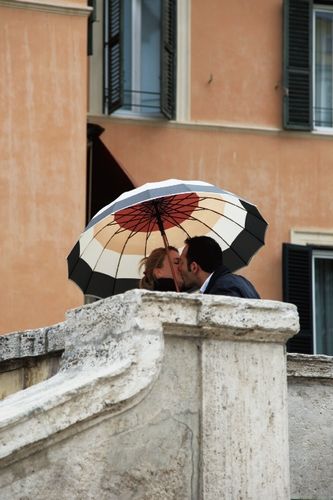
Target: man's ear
point(194, 267)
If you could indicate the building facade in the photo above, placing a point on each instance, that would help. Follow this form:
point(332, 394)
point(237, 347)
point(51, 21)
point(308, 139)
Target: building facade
point(239, 95)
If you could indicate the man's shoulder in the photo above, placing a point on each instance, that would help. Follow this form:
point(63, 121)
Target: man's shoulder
point(226, 283)
point(228, 279)
point(222, 278)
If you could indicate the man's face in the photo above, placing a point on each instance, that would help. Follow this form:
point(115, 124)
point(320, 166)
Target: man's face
point(186, 270)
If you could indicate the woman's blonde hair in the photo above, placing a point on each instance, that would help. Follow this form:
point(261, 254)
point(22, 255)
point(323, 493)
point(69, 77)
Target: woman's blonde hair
point(153, 261)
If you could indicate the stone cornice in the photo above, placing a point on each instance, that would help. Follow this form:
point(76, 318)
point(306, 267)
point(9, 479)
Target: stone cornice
point(225, 318)
point(67, 8)
point(310, 366)
point(209, 126)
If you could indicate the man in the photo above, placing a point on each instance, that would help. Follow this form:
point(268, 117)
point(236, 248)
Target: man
point(201, 266)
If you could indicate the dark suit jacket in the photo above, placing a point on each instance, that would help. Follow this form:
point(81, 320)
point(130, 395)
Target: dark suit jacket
point(223, 282)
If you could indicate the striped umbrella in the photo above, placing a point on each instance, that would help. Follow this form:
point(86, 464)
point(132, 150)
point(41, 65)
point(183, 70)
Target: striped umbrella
point(105, 260)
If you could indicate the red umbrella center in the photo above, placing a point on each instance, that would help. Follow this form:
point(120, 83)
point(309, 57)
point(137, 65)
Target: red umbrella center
point(172, 210)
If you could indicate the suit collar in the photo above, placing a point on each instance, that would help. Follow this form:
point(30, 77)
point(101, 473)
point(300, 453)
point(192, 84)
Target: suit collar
point(220, 271)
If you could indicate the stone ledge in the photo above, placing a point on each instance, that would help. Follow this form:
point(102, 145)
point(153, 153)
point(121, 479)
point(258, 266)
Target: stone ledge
point(310, 366)
point(31, 343)
point(221, 317)
point(193, 315)
point(57, 7)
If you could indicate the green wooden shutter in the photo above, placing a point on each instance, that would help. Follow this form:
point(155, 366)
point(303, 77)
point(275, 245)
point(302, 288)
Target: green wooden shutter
point(297, 289)
point(168, 58)
point(91, 20)
point(113, 96)
point(297, 76)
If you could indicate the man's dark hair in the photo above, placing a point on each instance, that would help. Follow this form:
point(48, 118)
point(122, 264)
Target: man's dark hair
point(205, 251)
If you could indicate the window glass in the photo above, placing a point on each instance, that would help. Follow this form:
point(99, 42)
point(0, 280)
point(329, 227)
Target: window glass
point(128, 43)
point(323, 302)
point(323, 74)
point(150, 52)
point(142, 41)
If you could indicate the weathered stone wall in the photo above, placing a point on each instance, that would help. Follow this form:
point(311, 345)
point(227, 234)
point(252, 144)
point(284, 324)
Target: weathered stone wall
point(310, 402)
point(158, 396)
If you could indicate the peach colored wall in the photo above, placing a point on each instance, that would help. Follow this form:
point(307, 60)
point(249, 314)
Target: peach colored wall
point(288, 176)
point(42, 152)
point(239, 43)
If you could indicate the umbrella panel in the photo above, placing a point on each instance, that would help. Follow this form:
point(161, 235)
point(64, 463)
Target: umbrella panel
point(143, 217)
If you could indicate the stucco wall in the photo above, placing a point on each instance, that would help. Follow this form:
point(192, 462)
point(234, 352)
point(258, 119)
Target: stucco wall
point(278, 171)
point(43, 73)
point(237, 48)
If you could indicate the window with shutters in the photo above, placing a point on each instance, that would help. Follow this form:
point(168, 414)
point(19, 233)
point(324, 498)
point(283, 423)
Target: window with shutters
point(308, 65)
point(308, 283)
point(140, 57)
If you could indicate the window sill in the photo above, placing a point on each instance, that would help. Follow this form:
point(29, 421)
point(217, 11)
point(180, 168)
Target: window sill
point(123, 113)
point(131, 118)
point(323, 131)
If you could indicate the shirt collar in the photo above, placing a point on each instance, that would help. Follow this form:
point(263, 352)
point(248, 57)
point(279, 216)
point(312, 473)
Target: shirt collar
point(205, 284)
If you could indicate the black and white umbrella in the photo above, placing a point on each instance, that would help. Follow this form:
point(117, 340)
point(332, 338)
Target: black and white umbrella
point(105, 260)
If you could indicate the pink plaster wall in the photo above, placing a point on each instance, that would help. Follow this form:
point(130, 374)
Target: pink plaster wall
point(43, 146)
point(288, 176)
point(239, 45)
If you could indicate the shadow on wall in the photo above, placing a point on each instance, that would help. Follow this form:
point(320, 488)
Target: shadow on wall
point(106, 180)
point(19, 373)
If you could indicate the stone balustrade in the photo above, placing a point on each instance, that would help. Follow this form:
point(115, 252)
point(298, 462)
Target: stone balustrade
point(158, 395)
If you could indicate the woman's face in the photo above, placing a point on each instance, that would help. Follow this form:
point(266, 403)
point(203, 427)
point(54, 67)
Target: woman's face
point(165, 270)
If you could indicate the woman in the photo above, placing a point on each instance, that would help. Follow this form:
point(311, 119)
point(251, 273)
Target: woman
point(157, 274)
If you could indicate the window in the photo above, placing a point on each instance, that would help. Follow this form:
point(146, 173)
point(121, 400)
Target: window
point(308, 65)
point(323, 64)
point(140, 56)
point(322, 268)
point(308, 283)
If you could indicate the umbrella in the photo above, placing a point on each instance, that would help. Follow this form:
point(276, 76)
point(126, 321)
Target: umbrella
point(106, 258)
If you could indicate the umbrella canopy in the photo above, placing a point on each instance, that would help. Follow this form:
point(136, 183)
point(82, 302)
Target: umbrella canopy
point(105, 260)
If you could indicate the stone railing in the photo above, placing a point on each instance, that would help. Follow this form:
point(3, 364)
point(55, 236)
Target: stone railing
point(158, 395)
point(29, 357)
